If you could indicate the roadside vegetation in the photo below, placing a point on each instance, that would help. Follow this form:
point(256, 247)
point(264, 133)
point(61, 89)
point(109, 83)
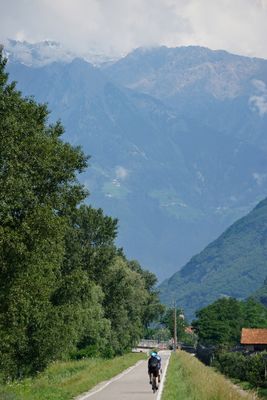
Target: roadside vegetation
point(66, 290)
point(188, 379)
point(219, 328)
point(65, 380)
point(220, 323)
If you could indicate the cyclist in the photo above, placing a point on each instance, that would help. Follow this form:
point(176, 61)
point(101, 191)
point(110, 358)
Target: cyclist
point(154, 366)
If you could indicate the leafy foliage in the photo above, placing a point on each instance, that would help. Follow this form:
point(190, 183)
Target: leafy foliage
point(221, 322)
point(38, 190)
point(167, 320)
point(64, 286)
point(242, 367)
point(261, 294)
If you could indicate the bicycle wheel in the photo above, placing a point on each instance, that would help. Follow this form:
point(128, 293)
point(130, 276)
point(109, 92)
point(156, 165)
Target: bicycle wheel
point(154, 384)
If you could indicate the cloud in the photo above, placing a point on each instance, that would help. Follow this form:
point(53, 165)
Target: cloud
point(258, 102)
point(238, 26)
point(118, 26)
point(121, 173)
point(259, 178)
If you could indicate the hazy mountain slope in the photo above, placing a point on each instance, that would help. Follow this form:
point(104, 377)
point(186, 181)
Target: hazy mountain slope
point(129, 138)
point(215, 87)
point(165, 72)
point(233, 265)
point(176, 170)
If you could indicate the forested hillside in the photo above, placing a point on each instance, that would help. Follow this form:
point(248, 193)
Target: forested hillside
point(66, 290)
point(261, 294)
point(177, 138)
point(233, 265)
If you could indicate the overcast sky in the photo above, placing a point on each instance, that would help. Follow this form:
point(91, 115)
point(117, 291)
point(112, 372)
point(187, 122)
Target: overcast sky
point(118, 26)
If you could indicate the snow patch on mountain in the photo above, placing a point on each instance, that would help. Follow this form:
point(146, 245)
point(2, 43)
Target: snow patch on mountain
point(48, 51)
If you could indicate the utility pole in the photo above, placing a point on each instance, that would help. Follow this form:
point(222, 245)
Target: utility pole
point(175, 327)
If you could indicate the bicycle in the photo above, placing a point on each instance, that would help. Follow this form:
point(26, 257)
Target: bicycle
point(154, 384)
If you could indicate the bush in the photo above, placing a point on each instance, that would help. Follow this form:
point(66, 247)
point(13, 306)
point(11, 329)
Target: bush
point(90, 351)
point(255, 369)
point(237, 365)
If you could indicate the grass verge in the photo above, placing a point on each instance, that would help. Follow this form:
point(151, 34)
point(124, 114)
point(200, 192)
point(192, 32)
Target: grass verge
point(65, 380)
point(188, 379)
point(261, 392)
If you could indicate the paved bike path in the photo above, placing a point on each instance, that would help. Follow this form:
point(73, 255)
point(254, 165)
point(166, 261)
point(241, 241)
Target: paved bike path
point(133, 384)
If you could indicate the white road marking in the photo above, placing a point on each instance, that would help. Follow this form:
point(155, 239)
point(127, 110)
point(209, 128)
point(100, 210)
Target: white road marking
point(163, 378)
point(116, 378)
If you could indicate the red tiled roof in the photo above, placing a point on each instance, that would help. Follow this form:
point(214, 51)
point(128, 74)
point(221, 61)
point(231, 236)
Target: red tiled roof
point(254, 336)
point(189, 330)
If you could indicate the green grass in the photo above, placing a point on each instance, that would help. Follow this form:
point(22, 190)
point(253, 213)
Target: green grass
point(261, 392)
point(188, 379)
point(65, 380)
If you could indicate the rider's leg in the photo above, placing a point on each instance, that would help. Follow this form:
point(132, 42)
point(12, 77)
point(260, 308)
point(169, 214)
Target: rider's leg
point(157, 380)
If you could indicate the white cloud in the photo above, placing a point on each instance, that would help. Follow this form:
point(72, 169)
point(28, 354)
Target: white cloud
point(258, 102)
point(259, 85)
point(121, 173)
point(259, 178)
point(118, 26)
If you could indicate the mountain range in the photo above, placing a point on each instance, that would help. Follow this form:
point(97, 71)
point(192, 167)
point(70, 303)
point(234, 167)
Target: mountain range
point(177, 138)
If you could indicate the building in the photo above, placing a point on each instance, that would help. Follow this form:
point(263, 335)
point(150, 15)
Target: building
point(254, 339)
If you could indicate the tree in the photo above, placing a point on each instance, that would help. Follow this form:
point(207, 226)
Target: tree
point(64, 286)
point(221, 322)
point(254, 314)
point(89, 254)
point(153, 309)
point(168, 321)
point(124, 303)
point(39, 191)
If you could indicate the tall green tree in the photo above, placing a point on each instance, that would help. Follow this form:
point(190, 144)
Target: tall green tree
point(221, 322)
point(38, 191)
point(89, 254)
point(124, 303)
point(153, 309)
point(64, 285)
point(130, 300)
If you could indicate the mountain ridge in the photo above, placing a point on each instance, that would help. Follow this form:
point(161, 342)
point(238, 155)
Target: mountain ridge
point(175, 172)
point(233, 265)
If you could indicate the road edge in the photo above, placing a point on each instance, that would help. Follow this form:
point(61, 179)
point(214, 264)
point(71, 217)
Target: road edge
point(163, 378)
